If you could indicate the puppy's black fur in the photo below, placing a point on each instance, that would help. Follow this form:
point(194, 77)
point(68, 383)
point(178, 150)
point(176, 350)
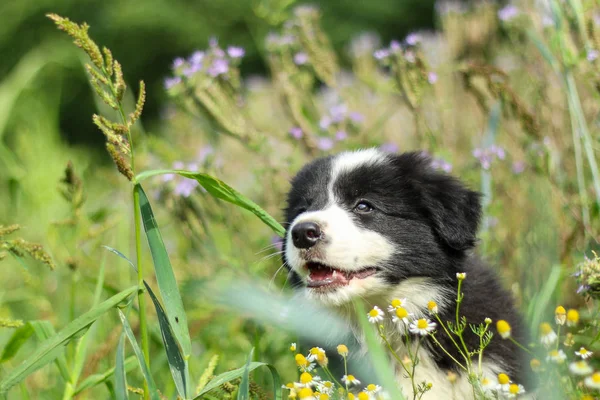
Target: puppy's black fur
point(432, 219)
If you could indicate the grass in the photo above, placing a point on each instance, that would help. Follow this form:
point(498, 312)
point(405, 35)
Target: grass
point(512, 110)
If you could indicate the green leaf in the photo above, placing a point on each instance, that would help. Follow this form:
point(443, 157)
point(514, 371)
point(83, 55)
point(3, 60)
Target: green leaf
point(97, 379)
point(18, 339)
point(177, 365)
point(221, 190)
point(542, 298)
point(49, 349)
point(244, 389)
point(44, 330)
point(167, 284)
point(138, 352)
point(379, 360)
point(236, 373)
point(119, 370)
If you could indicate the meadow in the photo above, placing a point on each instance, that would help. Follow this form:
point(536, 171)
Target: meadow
point(155, 272)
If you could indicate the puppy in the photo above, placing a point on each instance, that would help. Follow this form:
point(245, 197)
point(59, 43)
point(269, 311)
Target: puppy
point(385, 226)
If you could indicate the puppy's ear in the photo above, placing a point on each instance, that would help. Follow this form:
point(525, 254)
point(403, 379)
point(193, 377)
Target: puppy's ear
point(454, 209)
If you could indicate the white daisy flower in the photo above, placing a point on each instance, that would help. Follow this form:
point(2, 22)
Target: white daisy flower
point(580, 368)
point(593, 382)
point(375, 315)
point(401, 315)
point(461, 275)
point(584, 353)
point(488, 384)
point(372, 389)
point(556, 356)
point(307, 380)
point(503, 382)
point(395, 304)
point(422, 327)
point(514, 390)
point(293, 347)
point(326, 387)
point(350, 380)
point(547, 334)
point(306, 394)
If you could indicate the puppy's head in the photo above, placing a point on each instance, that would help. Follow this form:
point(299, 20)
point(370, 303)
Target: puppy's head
point(359, 223)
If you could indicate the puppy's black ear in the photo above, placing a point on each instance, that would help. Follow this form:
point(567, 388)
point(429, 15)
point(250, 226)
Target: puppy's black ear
point(454, 209)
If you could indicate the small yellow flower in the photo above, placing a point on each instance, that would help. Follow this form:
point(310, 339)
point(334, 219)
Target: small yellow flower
point(535, 365)
point(351, 396)
point(503, 382)
point(305, 393)
point(350, 380)
point(580, 368)
point(503, 329)
point(547, 334)
point(323, 396)
point(461, 275)
point(593, 381)
point(572, 317)
point(422, 327)
point(514, 390)
point(293, 347)
point(560, 315)
point(303, 363)
point(401, 315)
point(432, 307)
point(451, 376)
point(318, 354)
point(363, 396)
point(487, 321)
point(587, 397)
point(395, 304)
point(584, 353)
point(556, 356)
point(342, 350)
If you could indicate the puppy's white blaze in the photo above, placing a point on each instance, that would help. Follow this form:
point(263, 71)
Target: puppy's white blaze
point(345, 245)
point(349, 160)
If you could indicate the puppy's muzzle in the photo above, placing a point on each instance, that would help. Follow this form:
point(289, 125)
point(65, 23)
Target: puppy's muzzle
point(306, 234)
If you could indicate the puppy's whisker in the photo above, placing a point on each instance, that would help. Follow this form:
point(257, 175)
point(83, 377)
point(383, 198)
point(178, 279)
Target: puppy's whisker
point(272, 281)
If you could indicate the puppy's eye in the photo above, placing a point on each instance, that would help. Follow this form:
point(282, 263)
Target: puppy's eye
point(363, 207)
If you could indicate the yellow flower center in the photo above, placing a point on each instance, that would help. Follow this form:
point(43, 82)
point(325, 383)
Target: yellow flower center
point(583, 351)
point(422, 324)
point(342, 349)
point(560, 310)
point(513, 389)
point(328, 384)
point(305, 392)
point(351, 396)
point(289, 385)
point(431, 305)
point(401, 312)
point(301, 360)
point(573, 316)
point(373, 313)
point(371, 387)
point(396, 303)
point(545, 328)
point(553, 353)
point(324, 396)
point(596, 377)
point(350, 378)
point(485, 381)
point(503, 379)
point(502, 326)
point(363, 396)
point(305, 378)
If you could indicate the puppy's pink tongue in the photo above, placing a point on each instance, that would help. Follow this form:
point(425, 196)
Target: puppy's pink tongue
point(325, 276)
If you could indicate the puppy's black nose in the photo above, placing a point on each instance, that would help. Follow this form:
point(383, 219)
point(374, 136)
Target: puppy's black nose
point(305, 235)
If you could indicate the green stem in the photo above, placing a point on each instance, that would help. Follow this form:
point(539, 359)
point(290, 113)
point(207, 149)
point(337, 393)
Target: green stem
point(520, 346)
point(451, 338)
point(446, 351)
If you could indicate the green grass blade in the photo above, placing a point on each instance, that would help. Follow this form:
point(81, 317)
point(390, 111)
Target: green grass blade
point(98, 379)
point(177, 365)
point(119, 371)
point(221, 190)
point(237, 373)
point(18, 339)
point(138, 352)
point(44, 330)
point(379, 360)
point(50, 348)
point(244, 389)
point(167, 284)
point(540, 302)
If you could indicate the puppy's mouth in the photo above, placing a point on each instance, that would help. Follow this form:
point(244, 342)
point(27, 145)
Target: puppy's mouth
point(322, 277)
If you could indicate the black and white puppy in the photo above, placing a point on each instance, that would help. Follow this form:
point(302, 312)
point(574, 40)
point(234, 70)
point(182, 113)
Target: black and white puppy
point(381, 226)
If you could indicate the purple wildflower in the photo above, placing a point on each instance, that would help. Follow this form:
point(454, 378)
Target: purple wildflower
point(218, 67)
point(395, 46)
point(487, 155)
point(196, 58)
point(413, 39)
point(338, 113)
point(432, 77)
point(170, 82)
point(300, 58)
point(236, 52)
point(389, 147)
point(592, 55)
point(441, 164)
point(356, 117)
point(507, 13)
point(409, 56)
point(277, 242)
point(185, 187)
point(325, 122)
point(296, 132)
point(324, 144)
point(381, 54)
point(178, 62)
point(191, 70)
point(340, 135)
point(518, 167)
